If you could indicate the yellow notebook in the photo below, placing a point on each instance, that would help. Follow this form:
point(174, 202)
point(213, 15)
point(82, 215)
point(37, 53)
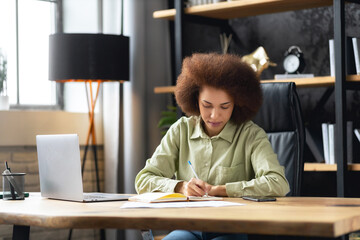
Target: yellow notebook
point(169, 197)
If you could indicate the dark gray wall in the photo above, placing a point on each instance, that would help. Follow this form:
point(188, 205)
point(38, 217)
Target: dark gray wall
point(309, 29)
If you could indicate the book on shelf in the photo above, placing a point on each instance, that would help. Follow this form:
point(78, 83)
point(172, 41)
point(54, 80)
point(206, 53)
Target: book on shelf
point(356, 48)
point(332, 57)
point(357, 133)
point(156, 197)
point(331, 135)
point(349, 141)
point(329, 141)
point(325, 135)
point(349, 56)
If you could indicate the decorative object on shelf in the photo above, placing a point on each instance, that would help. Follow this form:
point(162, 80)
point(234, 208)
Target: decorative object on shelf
point(89, 58)
point(258, 60)
point(294, 61)
point(4, 98)
point(292, 76)
point(167, 119)
point(225, 42)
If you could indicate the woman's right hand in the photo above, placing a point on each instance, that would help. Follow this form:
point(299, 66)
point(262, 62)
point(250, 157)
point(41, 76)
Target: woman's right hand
point(195, 187)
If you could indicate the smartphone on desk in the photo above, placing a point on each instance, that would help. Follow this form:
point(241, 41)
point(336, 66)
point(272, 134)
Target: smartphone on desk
point(259, 198)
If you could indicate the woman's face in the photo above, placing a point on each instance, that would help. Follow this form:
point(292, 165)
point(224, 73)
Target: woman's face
point(216, 107)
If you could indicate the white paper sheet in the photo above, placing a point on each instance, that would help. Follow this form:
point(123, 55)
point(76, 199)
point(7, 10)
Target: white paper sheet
point(180, 204)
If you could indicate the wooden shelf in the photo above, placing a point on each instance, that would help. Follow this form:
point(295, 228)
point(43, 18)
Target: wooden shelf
point(167, 89)
point(300, 82)
point(244, 8)
point(322, 167)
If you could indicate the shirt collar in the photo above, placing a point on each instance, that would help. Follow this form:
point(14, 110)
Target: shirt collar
point(227, 133)
point(198, 130)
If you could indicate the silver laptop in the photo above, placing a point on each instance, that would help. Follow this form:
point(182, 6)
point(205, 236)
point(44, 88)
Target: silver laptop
point(60, 170)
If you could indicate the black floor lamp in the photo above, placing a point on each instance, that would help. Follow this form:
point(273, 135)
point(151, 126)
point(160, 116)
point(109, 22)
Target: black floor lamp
point(89, 58)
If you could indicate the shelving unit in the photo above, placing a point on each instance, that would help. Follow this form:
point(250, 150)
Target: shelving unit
point(218, 13)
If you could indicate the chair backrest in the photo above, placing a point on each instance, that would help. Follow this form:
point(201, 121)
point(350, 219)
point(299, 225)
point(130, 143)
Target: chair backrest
point(281, 118)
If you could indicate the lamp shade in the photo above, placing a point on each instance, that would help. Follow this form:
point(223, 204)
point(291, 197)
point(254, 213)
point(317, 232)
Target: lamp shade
point(88, 57)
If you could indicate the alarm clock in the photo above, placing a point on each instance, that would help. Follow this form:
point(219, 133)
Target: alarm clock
point(294, 60)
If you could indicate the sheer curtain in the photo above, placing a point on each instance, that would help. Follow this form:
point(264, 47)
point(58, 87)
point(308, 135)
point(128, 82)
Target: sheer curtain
point(149, 67)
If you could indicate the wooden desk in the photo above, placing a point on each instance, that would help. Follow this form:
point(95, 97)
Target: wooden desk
point(298, 216)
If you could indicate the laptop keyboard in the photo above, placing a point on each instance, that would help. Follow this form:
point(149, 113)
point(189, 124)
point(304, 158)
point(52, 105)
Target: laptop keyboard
point(97, 196)
point(90, 196)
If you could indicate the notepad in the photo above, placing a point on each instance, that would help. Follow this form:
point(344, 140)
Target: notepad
point(196, 204)
point(169, 197)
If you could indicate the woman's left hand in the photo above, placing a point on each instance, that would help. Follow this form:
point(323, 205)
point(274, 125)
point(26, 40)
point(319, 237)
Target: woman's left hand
point(219, 190)
point(211, 190)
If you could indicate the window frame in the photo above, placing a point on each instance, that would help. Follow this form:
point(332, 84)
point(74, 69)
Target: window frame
point(59, 105)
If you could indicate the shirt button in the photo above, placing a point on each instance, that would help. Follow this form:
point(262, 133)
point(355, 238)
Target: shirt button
point(206, 164)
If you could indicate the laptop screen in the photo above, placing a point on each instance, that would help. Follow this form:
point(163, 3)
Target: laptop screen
point(60, 166)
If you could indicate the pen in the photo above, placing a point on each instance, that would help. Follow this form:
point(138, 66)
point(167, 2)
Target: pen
point(7, 166)
point(7, 171)
point(193, 170)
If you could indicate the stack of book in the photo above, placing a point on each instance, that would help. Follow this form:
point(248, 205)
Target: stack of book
point(352, 54)
point(329, 141)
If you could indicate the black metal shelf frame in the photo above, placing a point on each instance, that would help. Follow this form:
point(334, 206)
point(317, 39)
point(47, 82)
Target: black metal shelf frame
point(340, 77)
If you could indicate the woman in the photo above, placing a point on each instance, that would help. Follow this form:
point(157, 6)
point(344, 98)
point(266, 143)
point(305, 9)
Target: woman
point(232, 156)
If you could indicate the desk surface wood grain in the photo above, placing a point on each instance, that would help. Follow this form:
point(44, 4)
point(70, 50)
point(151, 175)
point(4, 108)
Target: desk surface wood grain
point(328, 217)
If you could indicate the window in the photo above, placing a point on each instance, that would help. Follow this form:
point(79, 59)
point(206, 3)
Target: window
point(25, 26)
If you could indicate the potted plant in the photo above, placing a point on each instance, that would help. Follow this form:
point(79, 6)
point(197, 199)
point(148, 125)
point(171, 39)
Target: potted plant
point(4, 98)
point(167, 119)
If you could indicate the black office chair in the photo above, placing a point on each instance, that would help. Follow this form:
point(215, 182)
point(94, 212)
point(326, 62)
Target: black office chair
point(281, 118)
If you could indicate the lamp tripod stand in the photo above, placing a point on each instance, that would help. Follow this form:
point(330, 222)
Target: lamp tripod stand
point(91, 130)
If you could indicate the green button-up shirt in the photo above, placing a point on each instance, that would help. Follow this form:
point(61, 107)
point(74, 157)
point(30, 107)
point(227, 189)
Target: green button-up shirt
point(240, 157)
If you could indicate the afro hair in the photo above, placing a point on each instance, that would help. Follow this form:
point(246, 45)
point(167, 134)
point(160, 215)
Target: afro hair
point(223, 71)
